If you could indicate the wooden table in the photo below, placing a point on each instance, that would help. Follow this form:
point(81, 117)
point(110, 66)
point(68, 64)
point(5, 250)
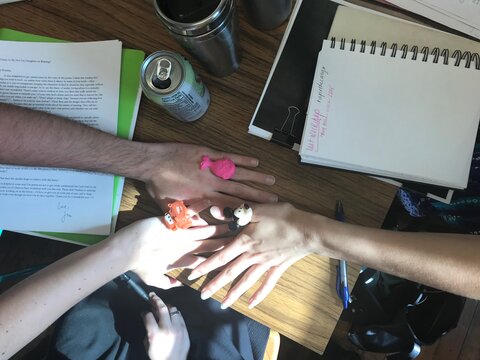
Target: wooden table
point(303, 306)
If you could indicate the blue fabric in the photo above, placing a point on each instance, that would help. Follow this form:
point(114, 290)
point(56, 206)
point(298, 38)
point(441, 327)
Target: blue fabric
point(462, 214)
point(107, 325)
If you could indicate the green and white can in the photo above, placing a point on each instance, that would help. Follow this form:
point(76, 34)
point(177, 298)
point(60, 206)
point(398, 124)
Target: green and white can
point(168, 79)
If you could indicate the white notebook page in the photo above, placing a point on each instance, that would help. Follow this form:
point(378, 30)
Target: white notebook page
point(389, 116)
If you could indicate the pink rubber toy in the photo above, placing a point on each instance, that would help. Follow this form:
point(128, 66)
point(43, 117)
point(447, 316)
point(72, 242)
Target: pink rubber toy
point(223, 168)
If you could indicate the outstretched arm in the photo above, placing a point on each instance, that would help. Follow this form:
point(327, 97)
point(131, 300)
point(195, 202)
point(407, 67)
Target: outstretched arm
point(280, 234)
point(146, 247)
point(170, 170)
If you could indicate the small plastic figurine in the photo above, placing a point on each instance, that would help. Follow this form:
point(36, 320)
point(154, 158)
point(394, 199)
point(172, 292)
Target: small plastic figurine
point(223, 168)
point(241, 216)
point(177, 216)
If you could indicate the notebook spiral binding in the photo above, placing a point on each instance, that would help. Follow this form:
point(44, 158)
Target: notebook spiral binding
point(437, 53)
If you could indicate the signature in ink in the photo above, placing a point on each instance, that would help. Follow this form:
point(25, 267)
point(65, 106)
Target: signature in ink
point(64, 211)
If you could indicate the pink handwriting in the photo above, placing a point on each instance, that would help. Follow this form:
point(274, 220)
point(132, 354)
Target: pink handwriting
point(319, 123)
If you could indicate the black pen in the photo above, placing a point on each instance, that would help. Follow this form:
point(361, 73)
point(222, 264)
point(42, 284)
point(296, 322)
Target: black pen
point(23, 273)
point(132, 284)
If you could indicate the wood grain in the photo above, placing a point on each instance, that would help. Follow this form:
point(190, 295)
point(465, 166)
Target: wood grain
point(303, 306)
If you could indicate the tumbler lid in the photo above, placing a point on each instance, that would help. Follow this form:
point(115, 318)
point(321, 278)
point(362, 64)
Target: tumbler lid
point(191, 18)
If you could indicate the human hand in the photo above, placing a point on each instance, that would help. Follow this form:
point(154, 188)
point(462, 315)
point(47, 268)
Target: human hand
point(167, 336)
point(150, 249)
point(172, 171)
point(274, 240)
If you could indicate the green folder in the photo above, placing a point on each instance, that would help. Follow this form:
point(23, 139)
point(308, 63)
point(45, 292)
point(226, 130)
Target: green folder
point(127, 115)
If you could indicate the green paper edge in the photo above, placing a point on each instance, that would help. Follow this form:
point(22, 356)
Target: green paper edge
point(129, 84)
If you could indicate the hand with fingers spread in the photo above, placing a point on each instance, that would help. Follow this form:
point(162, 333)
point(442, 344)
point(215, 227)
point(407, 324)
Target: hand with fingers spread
point(153, 249)
point(172, 171)
point(279, 235)
point(147, 247)
point(274, 240)
point(167, 336)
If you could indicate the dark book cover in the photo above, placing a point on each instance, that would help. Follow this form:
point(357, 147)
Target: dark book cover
point(283, 107)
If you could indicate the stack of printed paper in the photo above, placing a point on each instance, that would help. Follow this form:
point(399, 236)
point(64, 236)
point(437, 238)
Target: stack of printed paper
point(461, 15)
point(64, 78)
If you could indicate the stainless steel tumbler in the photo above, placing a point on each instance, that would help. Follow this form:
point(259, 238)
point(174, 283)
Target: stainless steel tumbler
point(207, 29)
point(267, 14)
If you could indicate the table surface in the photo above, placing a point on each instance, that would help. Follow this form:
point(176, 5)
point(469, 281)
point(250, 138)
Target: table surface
point(303, 306)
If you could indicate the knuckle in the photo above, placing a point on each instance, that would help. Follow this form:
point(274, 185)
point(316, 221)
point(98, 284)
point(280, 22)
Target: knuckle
point(163, 310)
point(286, 207)
point(236, 187)
point(222, 258)
point(151, 336)
point(229, 273)
point(244, 239)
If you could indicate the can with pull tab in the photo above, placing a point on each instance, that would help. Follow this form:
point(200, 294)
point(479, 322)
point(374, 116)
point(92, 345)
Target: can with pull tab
point(169, 80)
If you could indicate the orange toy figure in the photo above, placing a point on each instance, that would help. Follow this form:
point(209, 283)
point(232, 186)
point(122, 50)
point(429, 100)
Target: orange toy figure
point(177, 216)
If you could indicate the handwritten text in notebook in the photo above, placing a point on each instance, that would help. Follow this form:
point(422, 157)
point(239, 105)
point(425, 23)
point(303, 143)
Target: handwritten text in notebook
point(319, 116)
point(392, 112)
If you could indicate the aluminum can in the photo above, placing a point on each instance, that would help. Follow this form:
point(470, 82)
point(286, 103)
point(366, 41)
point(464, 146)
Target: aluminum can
point(169, 80)
point(207, 29)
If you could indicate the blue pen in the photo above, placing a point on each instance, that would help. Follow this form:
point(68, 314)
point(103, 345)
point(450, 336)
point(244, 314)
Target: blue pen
point(342, 279)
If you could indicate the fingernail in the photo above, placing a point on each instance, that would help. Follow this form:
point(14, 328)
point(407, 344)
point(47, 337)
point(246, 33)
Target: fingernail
point(251, 303)
point(270, 180)
point(255, 162)
point(205, 294)
point(192, 276)
point(151, 294)
point(224, 306)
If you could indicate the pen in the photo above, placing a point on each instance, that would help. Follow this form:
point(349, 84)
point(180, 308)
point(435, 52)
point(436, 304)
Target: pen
point(132, 284)
point(342, 279)
point(21, 273)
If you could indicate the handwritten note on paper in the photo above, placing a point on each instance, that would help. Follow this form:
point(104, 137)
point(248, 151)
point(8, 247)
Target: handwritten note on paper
point(79, 81)
point(319, 110)
point(55, 199)
point(376, 101)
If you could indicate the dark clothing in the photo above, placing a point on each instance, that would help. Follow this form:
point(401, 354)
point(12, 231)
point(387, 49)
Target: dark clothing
point(108, 325)
point(462, 215)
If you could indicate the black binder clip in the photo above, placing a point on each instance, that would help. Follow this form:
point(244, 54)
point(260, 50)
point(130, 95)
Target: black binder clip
point(284, 136)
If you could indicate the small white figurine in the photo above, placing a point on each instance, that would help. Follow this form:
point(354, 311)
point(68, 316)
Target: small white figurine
point(241, 216)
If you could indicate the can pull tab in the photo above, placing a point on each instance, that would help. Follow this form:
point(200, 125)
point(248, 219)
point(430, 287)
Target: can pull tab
point(161, 78)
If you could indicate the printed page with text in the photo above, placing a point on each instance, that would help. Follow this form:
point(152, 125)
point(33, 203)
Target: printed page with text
point(79, 81)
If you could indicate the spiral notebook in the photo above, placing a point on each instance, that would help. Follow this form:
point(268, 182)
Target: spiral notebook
point(394, 111)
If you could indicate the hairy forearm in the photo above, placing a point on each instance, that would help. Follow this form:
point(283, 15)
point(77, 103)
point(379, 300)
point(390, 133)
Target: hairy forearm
point(34, 304)
point(449, 262)
point(29, 137)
